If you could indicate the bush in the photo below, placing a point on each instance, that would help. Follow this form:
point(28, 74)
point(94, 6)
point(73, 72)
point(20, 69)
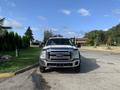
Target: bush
point(9, 41)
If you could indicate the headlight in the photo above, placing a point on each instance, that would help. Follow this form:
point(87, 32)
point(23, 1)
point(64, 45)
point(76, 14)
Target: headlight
point(43, 55)
point(76, 54)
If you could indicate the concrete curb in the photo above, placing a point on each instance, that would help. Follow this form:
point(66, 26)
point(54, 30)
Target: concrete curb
point(7, 75)
point(26, 68)
point(101, 50)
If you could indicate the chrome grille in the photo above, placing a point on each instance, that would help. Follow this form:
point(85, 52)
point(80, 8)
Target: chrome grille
point(59, 55)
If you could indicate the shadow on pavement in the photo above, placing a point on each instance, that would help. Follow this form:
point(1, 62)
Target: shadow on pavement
point(39, 82)
point(87, 65)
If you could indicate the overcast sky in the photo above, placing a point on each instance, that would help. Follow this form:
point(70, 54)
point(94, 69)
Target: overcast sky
point(67, 17)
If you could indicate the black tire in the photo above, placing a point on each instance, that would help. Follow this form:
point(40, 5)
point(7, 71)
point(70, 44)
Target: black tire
point(42, 69)
point(77, 69)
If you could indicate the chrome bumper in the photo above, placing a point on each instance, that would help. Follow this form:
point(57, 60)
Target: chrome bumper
point(50, 64)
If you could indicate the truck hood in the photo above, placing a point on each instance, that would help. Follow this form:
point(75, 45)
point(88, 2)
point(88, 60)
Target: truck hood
point(59, 46)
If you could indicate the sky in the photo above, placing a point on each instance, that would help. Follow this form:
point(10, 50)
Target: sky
point(66, 17)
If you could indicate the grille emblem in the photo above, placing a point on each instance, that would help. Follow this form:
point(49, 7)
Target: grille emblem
point(59, 55)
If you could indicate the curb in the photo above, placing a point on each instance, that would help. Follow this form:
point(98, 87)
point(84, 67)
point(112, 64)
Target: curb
point(26, 68)
point(7, 75)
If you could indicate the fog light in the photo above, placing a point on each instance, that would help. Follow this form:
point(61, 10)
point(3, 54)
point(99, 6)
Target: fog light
point(42, 62)
point(76, 63)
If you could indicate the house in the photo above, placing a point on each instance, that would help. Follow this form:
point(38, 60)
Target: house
point(79, 41)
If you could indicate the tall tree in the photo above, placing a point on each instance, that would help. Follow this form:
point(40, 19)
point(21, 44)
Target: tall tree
point(29, 34)
point(2, 21)
point(2, 27)
point(10, 41)
point(47, 35)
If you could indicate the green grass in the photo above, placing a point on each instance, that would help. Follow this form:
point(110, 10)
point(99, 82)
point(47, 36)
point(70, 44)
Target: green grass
point(26, 57)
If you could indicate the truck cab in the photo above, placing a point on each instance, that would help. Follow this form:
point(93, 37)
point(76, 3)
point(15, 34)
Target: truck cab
point(59, 52)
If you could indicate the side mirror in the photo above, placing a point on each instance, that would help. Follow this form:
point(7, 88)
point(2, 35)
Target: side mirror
point(79, 45)
point(42, 45)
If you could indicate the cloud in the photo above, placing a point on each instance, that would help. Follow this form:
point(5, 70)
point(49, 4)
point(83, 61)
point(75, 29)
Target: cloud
point(66, 12)
point(1, 17)
point(35, 28)
point(106, 29)
point(10, 3)
point(13, 23)
point(106, 15)
point(54, 29)
point(72, 34)
point(42, 17)
point(84, 12)
point(116, 11)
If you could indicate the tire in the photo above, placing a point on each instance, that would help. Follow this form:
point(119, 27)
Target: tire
point(42, 69)
point(77, 69)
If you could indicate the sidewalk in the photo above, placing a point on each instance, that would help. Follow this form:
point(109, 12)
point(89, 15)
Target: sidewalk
point(113, 49)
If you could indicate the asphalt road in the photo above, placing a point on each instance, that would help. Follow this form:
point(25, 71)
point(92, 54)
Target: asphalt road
point(99, 71)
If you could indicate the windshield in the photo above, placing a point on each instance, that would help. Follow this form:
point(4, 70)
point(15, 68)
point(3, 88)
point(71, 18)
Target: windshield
point(59, 42)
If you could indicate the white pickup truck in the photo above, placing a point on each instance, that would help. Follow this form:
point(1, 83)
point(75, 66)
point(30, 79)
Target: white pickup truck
point(59, 52)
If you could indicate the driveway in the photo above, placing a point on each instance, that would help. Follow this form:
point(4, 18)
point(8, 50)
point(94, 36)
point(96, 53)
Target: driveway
point(99, 71)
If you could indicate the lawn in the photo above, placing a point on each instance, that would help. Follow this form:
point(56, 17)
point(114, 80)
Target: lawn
point(26, 57)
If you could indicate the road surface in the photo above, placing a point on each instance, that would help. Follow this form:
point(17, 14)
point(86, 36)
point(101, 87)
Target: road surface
point(99, 71)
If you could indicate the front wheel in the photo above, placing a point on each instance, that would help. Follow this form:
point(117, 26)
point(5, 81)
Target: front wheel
point(42, 69)
point(77, 69)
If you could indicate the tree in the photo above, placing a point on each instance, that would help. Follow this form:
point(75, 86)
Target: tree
point(109, 42)
point(2, 21)
point(92, 37)
point(29, 34)
point(96, 41)
point(2, 27)
point(96, 37)
point(25, 42)
point(10, 41)
point(47, 35)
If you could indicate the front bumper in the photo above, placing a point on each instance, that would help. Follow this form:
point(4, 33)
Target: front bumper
point(51, 64)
